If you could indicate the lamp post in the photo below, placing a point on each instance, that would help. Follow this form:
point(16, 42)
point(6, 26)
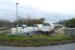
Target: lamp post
point(17, 17)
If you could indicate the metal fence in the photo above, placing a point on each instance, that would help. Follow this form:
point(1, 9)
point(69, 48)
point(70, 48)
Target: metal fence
point(4, 30)
point(70, 31)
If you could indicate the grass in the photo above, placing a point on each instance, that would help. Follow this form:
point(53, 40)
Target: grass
point(35, 40)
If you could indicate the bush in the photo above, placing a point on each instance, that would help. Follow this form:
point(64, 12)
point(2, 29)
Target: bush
point(70, 23)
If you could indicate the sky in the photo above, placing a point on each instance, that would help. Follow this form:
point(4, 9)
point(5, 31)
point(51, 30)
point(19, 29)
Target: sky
point(51, 10)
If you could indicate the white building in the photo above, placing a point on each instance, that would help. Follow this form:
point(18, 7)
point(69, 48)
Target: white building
point(29, 30)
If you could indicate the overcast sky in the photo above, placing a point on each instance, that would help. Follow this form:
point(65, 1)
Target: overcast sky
point(52, 10)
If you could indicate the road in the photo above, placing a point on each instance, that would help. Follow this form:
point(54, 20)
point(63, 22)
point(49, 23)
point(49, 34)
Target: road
point(56, 47)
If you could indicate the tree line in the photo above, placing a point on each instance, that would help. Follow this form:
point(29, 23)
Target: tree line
point(21, 21)
point(68, 23)
point(29, 21)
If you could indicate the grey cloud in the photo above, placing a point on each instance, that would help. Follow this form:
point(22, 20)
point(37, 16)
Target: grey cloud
point(8, 12)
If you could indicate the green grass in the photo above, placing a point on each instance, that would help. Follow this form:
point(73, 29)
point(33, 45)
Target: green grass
point(35, 40)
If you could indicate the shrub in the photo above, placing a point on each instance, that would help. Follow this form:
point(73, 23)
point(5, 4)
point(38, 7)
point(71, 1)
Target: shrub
point(70, 23)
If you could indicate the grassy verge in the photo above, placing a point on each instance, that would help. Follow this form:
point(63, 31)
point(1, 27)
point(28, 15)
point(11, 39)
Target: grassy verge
point(35, 40)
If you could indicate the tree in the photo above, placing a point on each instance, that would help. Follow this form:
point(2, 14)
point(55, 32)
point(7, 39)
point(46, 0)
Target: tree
point(29, 21)
point(70, 23)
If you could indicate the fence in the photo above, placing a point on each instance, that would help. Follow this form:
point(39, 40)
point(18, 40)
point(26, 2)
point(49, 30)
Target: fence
point(4, 30)
point(70, 31)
